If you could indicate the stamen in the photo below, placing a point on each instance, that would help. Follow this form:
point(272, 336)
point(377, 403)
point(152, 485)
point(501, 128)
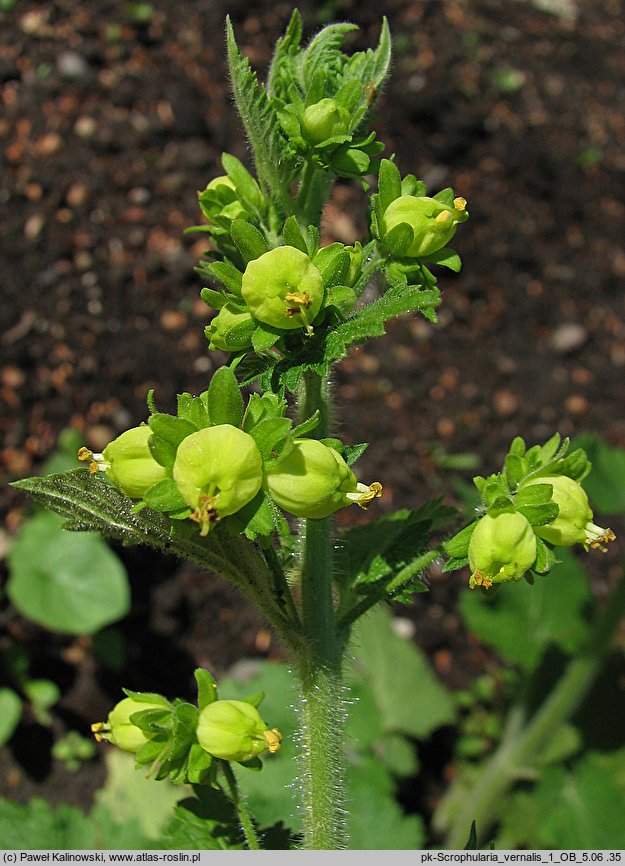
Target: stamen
point(443, 217)
point(478, 578)
point(273, 738)
point(374, 491)
point(460, 203)
point(206, 514)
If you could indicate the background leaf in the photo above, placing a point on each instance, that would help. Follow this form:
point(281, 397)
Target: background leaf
point(68, 582)
point(520, 620)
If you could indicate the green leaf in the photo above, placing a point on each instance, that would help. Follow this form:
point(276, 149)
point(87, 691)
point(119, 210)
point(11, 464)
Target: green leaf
point(579, 809)
point(65, 581)
point(323, 50)
point(281, 71)
point(332, 263)
point(10, 714)
point(90, 503)
point(225, 401)
point(606, 483)
point(269, 434)
point(264, 337)
point(164, 496)
point(520, 621)
point(446, 258)
point(293, 236)
point(249, 241)
point(169, 432)
point(535, 494)
point(37, 826)
point(194, 410)
point(539, 515)
point(206, 688)
point(275, 164)
point(247, 188)
point(400, 678)
point(457, 547)
point(230, 276)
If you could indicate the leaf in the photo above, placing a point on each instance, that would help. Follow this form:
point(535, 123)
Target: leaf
point(520, 621)
point(389, 183)
point(446, 258)
point(605, 485)
point(225, 401)
point(249, 241)
point(323, 52)
point(264, 337)
point(10, 714)
point(164, 496)
point(90, 503)
point(38, 827)
point(168, 432)
point(293, 235)
point(246, 186)
point(281, 70)
point(230, 276)
point(275, 164)
point(67, 582)
point(206, 688)
point(400, 678)
point(269, 434)
point(581, 809)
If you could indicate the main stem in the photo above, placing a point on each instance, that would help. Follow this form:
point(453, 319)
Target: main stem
point(322, 709)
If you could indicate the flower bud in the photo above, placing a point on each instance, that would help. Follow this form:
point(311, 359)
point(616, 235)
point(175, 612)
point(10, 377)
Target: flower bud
point(313, 481)
point(234, 731)
point(217, 470)
point(433, 223)
point(501, 548)
point(128, 462)
point(219, 332)
point(323, 120)
point(574, 523)
point(283, 288)
point(119, 730)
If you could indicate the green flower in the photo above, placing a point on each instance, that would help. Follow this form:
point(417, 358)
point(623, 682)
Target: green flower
point(283, 288)
point(323, 120)
point(234, 731)
point(501, 548)
point(217, 471)
point(433, 223)
point(574, 523)
point(230, 330)
point(119, 730)
point(128, 462)
point(313, 481)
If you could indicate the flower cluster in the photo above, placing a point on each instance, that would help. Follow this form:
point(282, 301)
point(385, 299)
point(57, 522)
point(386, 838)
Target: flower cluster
point(182, 740)
point(211, 460)
point(536, 503)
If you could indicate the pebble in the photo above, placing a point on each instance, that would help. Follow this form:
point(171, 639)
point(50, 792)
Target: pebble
point(505, 402)
point(568, 337)
point(72, 65)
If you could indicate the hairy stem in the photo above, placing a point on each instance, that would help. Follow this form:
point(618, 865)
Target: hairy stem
point(524, 739)
point(245, 818)
point(319, 660)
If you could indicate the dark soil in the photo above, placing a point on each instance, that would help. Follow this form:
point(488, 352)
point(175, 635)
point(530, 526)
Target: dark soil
point(111, 125)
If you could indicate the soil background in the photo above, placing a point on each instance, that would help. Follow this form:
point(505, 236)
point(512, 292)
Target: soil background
point(111, 124)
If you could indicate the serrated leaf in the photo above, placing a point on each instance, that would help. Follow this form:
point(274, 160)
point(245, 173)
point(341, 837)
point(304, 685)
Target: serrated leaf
point(454, 563)
point(224, 398)
point(269, 434)
point(323, 52)
point(90, 503)
point(281, 70)
point(68, 582)
point(275, 164)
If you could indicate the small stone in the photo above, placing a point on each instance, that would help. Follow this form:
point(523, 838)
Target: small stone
point(505, 402)
point(568, 337)
point(72, 65)
point(576, 404)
